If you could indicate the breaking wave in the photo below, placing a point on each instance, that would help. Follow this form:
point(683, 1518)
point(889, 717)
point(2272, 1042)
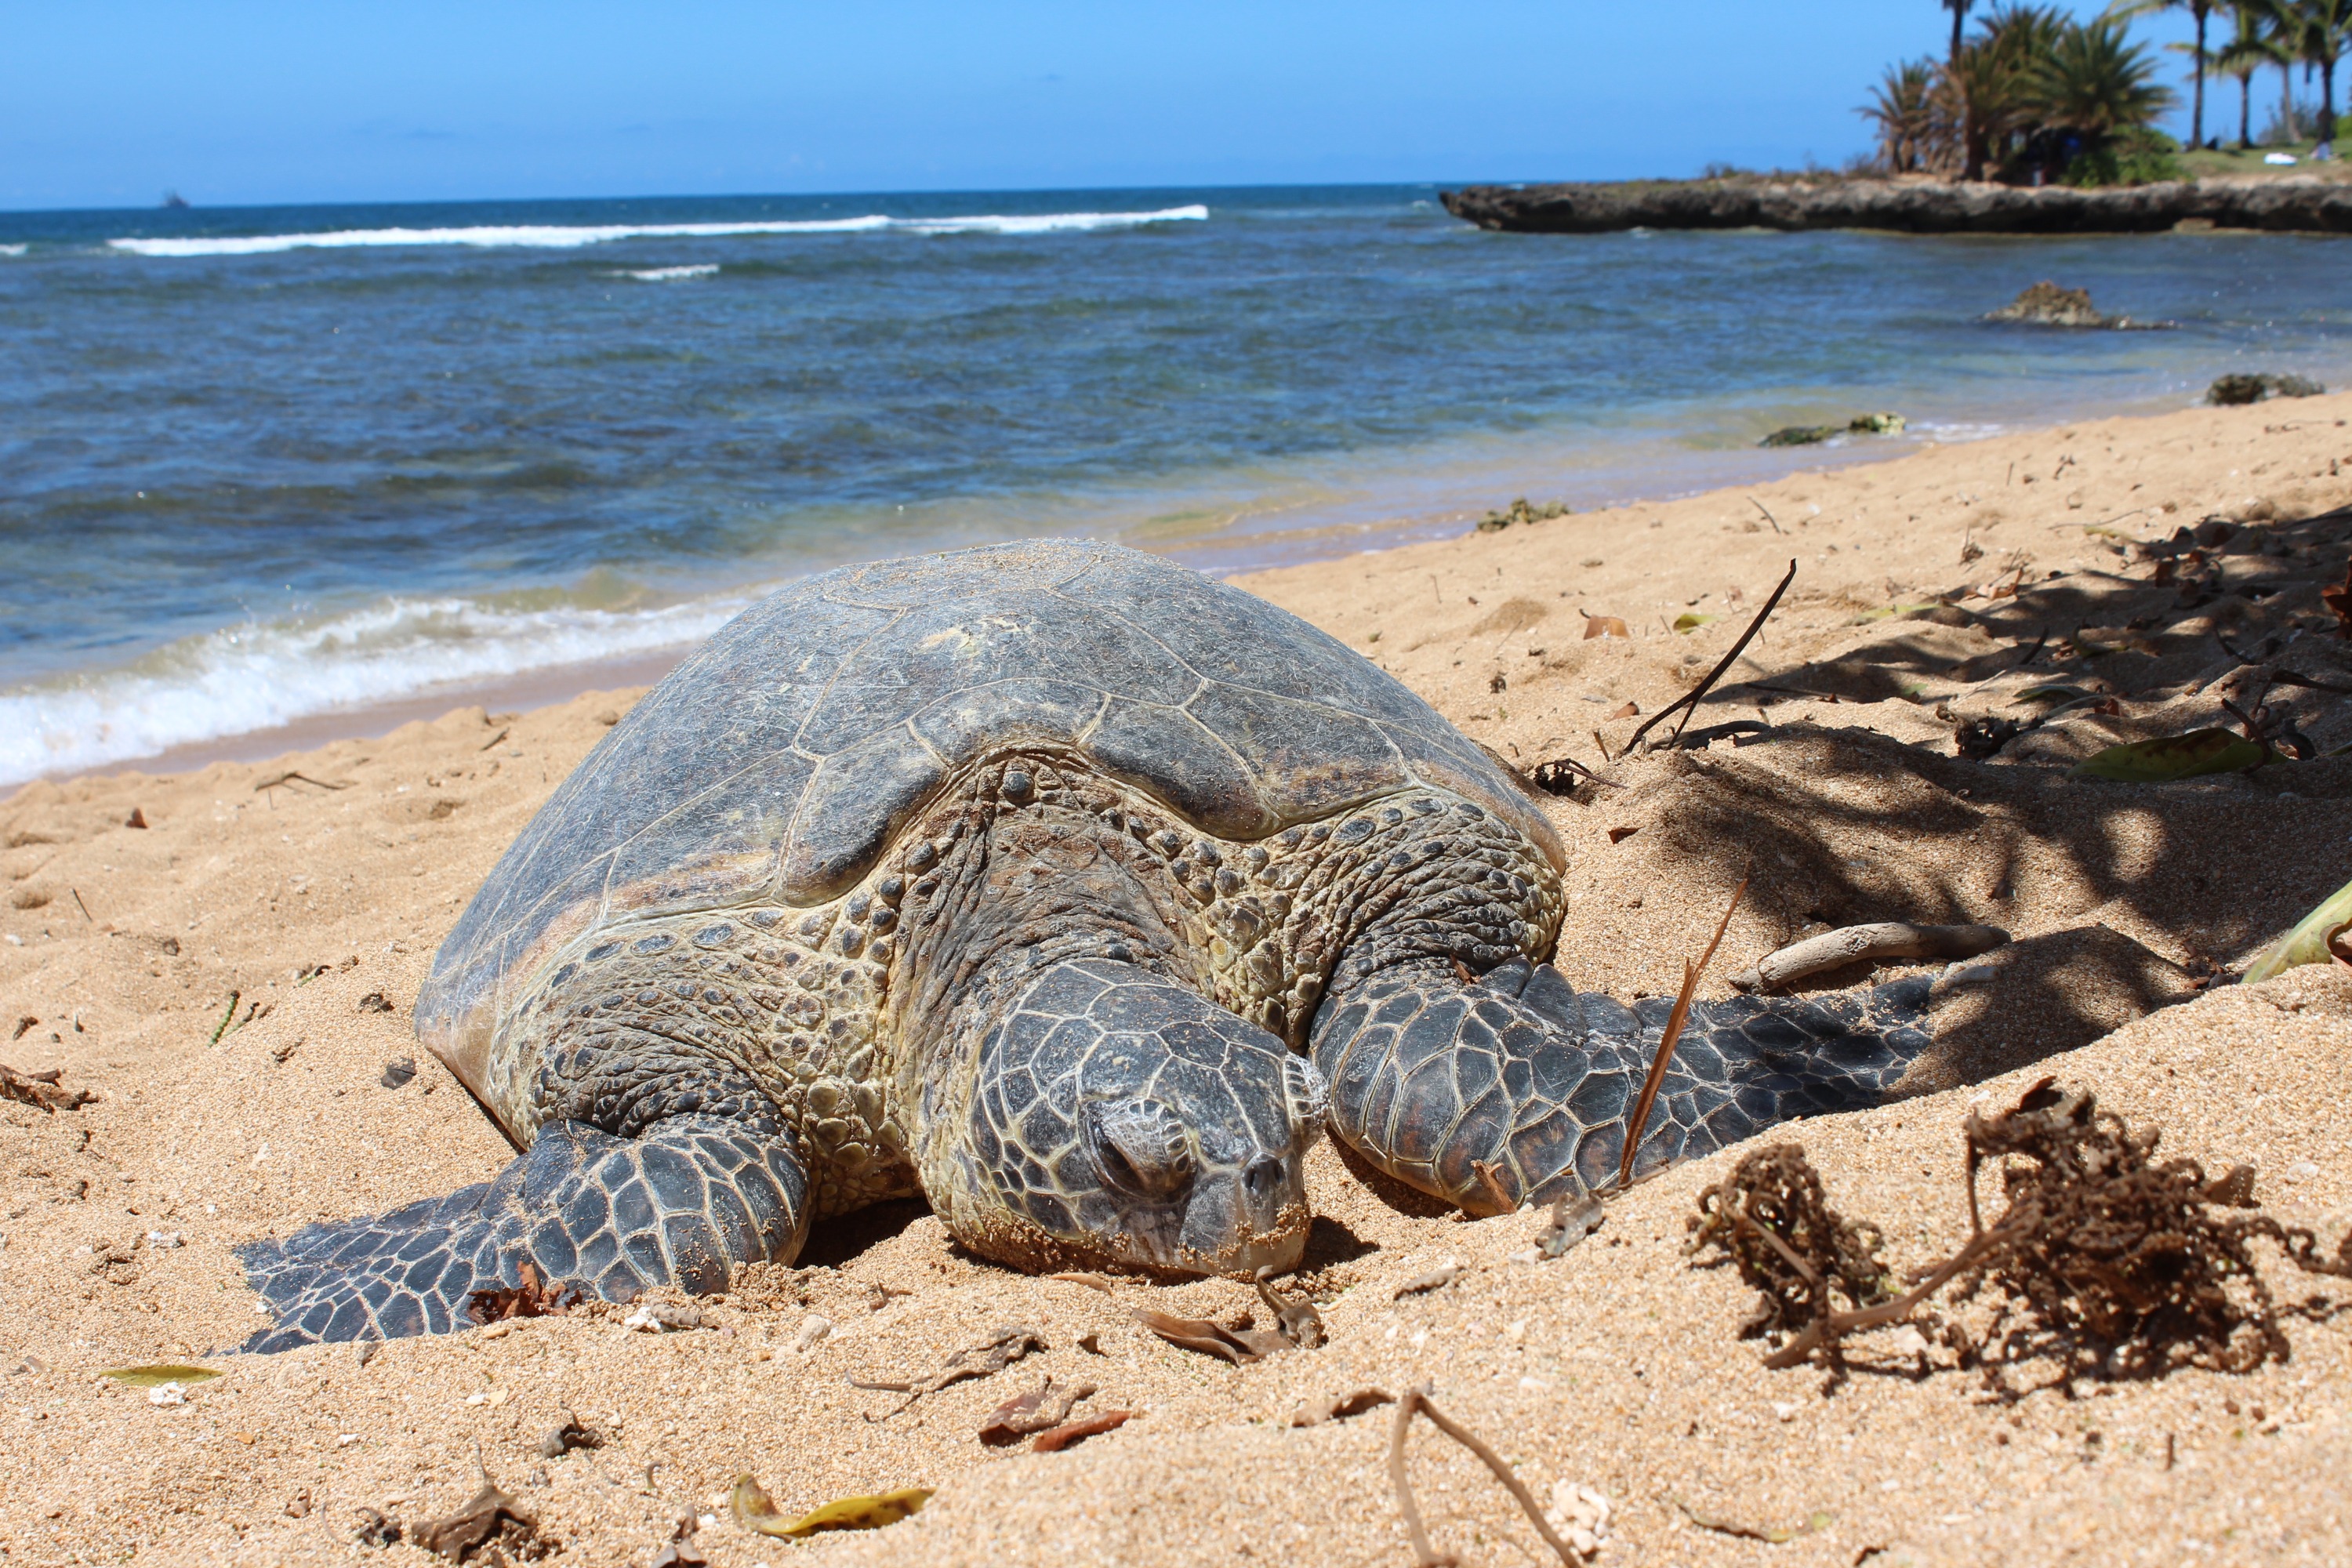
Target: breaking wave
point(560, 236)
point(671, 274)
point(259, 676)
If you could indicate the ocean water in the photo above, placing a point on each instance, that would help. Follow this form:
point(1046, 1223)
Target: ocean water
point(265, 466)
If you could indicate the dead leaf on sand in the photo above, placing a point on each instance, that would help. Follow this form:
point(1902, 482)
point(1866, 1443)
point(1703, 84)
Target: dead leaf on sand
point(41, 1089)
point(1604, 627)
point(2339, 601)
point(1239, 1346)
point(1038, 1410)
point(492, 1528)
point(754, 1512)
point(1295, 1318)
point(1061, 1438)
point(1338, 1406)
point(1435, 1279)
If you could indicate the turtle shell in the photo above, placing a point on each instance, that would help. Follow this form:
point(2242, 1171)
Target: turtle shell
point(776, 763)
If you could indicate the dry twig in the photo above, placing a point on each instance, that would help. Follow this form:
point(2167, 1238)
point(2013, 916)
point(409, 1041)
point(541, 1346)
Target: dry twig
point(1674, 1022)
point(1689, 702)
point(991, 1355)
point(1417, 1400)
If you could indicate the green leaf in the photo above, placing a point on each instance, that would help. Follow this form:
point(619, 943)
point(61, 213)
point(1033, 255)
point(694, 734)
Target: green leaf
point(1691, 620)
point(754, 1512)
point(157, 1376)
point(2315, 940)
point(2186, 756)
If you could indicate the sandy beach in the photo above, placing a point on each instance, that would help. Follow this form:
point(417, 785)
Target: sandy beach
point(226, 960)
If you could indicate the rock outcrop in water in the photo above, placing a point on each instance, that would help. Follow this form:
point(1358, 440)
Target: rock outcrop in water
point(1911, 205)
point(1814, 435)
point(2047, 305)
point(2235, 391)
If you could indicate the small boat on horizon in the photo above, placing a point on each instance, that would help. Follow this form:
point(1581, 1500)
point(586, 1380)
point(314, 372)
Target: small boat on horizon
point(173, 200)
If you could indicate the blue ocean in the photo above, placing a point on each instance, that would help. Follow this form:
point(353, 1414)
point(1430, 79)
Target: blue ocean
point(286, 466)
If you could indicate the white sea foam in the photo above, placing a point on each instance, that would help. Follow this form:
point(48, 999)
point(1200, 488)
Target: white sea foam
point(671, 274)
point(13, 249)
point(260, 676)
point(562, 237)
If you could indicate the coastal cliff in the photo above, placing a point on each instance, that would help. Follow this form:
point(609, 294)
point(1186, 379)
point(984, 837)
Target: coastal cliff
point(1910, 206)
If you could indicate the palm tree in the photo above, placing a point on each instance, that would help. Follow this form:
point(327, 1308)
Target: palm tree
point(2317, 33)
point(2253, 44)
point(1902, 108)
point(1959, 10)
point(2096, 83)
point(1997, 108)
point(2124, 10)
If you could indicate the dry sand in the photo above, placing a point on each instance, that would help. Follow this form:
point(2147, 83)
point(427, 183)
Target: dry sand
point(304, 911)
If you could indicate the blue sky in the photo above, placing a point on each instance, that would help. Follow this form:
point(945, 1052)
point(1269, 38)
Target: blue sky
point(109, 102)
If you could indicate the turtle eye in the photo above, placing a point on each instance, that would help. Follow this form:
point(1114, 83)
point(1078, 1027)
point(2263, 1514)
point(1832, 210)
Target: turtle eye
point(1141, 1147)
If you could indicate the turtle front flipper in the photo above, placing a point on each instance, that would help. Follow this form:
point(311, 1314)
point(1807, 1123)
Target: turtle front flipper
point(1514, 1086)
point(681, 1203)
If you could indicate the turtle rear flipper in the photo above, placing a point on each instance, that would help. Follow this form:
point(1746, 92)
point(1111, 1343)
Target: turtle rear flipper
point(681, 1204)
point(1516, 1087)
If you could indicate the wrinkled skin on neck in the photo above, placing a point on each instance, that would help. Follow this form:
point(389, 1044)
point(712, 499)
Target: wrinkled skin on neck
point(1071, 1095)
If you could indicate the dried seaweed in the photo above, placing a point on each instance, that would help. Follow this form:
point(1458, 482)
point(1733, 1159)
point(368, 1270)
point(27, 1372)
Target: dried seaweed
point(2104, 1258)
point(2338, 600)
point(534, 1298)
point(1772, 1220)
point(2117, 1257)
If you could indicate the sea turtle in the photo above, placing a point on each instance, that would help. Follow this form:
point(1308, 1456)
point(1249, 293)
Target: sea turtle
point(1052, 881)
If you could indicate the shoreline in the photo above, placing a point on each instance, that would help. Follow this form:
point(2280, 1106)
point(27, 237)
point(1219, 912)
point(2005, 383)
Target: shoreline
point(1438, 514)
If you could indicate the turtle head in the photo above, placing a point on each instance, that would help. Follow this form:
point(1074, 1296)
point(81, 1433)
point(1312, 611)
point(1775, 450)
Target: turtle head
point(1116, 1118)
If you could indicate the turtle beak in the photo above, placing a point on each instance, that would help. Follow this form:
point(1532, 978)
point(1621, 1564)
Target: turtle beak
point(1241, 1220)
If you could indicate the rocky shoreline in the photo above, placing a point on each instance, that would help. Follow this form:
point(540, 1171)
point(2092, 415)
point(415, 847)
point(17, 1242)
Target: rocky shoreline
point(1907, 206)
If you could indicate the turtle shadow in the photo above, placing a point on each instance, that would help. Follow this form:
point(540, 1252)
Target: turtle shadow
point(1330, 1242)
point(1410, 1202)
point(846, 1236)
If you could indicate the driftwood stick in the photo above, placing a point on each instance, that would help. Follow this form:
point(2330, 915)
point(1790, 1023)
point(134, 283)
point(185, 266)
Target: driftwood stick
point(1690, 700)
point(1849, 944)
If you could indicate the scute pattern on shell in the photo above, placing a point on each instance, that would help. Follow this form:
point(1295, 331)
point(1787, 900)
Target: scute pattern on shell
point(778, 761)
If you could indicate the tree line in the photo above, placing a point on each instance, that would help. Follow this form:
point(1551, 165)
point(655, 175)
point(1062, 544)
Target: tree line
point(2033, 95)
